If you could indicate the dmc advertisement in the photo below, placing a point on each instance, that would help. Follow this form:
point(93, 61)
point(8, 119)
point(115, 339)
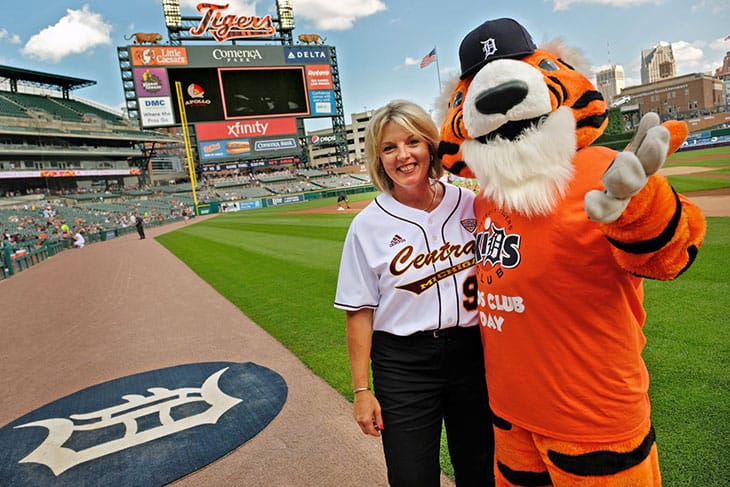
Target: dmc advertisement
point(156, 111)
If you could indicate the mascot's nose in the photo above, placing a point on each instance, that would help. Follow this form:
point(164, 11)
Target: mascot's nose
point(502, 97)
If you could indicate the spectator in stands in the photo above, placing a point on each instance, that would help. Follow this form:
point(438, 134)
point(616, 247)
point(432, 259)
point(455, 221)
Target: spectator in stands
point(139, 223)
point(79, 240)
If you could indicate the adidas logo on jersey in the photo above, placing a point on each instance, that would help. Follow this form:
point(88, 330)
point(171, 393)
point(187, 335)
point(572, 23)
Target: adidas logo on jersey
point(397, 239)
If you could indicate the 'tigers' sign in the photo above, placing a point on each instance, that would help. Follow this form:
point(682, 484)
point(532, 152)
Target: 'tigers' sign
point(227, 27)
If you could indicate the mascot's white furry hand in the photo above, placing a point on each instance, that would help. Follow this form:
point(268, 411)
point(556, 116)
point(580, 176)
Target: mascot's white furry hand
point(629, 171)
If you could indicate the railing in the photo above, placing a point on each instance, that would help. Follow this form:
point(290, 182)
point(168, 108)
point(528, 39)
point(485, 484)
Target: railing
point(14, 259)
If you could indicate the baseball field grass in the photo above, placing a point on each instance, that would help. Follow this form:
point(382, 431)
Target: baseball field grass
point(279, 266)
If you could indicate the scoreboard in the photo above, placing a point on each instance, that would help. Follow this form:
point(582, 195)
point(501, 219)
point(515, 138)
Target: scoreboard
point(242, 101)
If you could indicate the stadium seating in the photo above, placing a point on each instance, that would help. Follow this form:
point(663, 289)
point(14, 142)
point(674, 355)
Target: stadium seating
point(84, 108)
point(10, 109)
point(45, 104)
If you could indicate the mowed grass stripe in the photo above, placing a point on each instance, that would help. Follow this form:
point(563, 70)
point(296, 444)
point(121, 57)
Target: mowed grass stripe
point(306, 250)
point(281, 284)
point(688, 358)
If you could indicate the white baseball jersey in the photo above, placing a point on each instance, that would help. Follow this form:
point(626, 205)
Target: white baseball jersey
point(415, 269)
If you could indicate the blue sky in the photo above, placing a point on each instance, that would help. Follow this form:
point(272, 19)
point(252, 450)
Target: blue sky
point(379, 42)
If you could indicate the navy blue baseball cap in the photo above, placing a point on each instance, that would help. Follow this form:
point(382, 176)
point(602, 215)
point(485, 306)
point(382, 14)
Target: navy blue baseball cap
point(494, 39)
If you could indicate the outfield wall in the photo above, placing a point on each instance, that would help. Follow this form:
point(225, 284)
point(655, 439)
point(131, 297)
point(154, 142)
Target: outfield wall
point(277, 200)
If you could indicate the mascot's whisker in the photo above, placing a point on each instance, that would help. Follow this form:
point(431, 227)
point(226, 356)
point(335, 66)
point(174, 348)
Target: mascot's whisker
point(529, 174)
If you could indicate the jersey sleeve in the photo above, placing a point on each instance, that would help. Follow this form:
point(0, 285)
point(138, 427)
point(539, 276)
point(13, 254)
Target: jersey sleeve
point(357, 283)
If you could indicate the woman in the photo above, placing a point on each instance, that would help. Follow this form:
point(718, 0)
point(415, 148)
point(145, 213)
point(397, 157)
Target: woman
point(407, 284)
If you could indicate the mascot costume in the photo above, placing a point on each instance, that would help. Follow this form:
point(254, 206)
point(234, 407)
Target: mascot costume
point(566, 234)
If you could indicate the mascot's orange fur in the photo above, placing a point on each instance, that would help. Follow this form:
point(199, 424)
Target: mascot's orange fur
point(566, 233)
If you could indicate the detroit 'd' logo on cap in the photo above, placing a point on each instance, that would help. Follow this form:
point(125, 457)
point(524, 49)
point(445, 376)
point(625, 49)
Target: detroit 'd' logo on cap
point(489, 47)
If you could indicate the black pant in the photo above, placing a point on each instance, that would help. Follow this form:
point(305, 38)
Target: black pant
point(421, 381)
point(140, 231)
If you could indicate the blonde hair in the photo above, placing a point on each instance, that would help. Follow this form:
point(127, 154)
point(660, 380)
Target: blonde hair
point(412, 118)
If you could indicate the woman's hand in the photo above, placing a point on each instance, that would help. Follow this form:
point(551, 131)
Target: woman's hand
point(367, 413)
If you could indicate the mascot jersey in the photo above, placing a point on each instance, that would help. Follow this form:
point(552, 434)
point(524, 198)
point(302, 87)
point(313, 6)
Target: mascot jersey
point(560, 378)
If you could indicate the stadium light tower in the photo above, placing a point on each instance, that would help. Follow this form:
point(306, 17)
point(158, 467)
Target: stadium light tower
point(171, 10)
point(286, 15)
point(173, 20)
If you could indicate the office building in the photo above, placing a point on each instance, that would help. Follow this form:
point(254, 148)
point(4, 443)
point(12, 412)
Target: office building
point(610, 82)
point(657, 63)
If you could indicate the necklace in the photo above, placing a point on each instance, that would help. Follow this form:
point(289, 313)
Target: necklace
point(433, 199)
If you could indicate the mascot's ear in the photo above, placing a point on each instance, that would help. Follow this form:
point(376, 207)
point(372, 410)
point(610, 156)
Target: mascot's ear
point(450, 116)
point(441, 103)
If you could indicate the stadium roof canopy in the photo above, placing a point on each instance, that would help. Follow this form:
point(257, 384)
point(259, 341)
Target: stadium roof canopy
point(45, 80)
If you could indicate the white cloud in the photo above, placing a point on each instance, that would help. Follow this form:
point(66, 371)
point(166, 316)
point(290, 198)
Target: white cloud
point(77, 32)
point(566, 4)
point(689, 57)
point(713, 7)
point(722, 44)
point(335, 15)
point(323, 14)
point(12, 38)
point(412, 61)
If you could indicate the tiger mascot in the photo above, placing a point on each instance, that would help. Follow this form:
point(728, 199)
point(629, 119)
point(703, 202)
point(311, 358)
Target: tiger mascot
point(566, 233)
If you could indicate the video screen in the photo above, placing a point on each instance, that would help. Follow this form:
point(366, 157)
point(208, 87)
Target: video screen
point(261, 92)
point(201, 94)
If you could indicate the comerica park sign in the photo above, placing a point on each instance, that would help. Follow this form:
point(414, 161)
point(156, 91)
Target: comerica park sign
point(228, 27)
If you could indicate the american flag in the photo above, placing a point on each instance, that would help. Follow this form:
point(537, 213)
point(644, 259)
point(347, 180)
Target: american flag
point(428, 58)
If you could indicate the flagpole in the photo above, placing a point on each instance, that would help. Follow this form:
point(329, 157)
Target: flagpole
point(438, 70)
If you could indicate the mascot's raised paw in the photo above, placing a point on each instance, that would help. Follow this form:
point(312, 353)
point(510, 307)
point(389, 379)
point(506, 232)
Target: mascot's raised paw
point(629, 171)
